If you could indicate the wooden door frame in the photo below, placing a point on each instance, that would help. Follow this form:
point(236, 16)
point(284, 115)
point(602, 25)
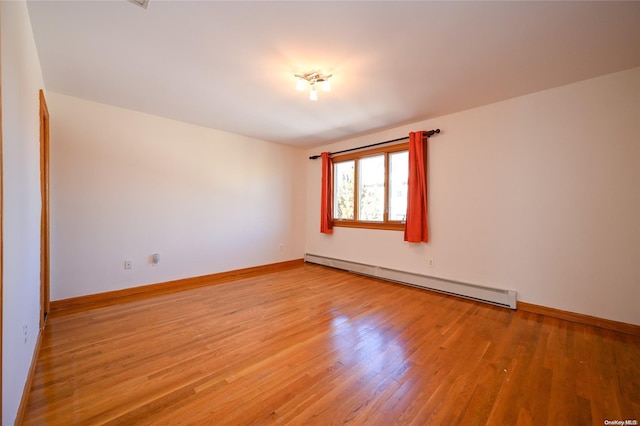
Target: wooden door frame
point(1, 236)
point(44, 216)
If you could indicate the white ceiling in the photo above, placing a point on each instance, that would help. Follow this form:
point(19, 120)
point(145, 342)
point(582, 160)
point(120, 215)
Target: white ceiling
point(230, 65)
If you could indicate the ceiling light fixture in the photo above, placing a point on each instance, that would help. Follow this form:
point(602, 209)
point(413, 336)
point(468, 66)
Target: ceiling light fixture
point(313, 79)
point(142, 3)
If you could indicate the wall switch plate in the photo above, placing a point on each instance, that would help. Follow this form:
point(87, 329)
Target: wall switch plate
point(127, 264)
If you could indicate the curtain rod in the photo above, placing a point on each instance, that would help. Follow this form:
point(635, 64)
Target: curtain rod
point(429, 133)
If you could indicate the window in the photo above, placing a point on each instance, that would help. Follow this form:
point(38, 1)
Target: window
point(370, 188)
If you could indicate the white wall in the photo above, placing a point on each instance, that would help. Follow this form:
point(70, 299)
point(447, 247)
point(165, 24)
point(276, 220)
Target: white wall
point(21, 81)
point(540, 194)
point(125, 185)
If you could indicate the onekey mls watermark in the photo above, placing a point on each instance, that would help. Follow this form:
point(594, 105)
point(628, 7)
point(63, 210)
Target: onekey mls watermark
point(627, 422)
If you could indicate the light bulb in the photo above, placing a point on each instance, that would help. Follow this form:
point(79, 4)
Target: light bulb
point(300, 85)
point(313, 95)
point(326, 86)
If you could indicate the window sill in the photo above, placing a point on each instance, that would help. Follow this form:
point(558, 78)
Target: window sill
point(398, 226)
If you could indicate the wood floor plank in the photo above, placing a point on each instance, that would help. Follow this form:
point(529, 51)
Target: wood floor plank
point(313, 345)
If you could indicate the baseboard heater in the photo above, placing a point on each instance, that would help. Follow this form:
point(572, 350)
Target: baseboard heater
point(494, 296)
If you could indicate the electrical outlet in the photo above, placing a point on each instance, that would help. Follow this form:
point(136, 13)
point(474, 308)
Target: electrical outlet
point(127, 264)
point(24, 331)
point(432, 264)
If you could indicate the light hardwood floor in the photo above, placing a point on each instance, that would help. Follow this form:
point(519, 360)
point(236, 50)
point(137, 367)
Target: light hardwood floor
point(317, 346)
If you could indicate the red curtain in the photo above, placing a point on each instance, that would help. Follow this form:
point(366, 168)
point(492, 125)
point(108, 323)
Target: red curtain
point(416, 229)
point(326, 203)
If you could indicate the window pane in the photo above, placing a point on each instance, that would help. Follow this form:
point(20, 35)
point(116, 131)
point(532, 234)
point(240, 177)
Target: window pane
point(343, 190)
point(371, 188)
point(398, 177)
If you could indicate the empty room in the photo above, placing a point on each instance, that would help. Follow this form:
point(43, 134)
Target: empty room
point(320, 212)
